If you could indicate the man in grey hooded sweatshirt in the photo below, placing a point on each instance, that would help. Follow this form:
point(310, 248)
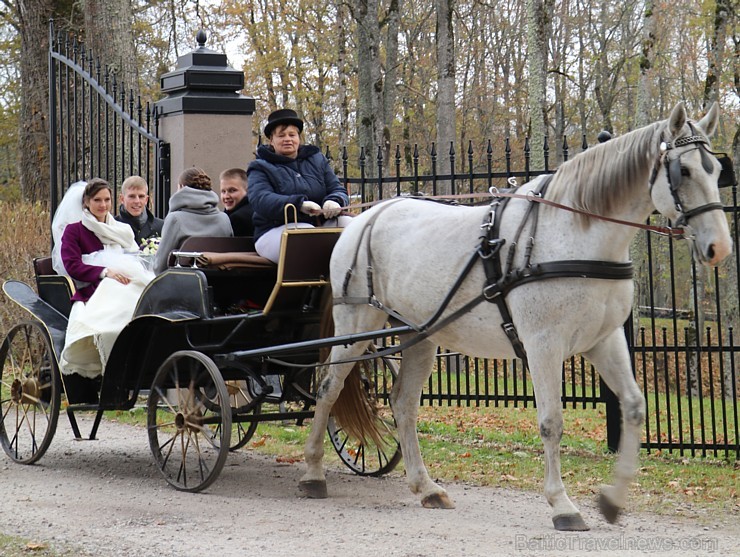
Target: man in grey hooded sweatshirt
point(193, 212)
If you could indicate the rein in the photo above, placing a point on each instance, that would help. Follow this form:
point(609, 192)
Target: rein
point(677, 233)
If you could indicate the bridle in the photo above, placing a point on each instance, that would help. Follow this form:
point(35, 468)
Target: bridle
point(675, 172)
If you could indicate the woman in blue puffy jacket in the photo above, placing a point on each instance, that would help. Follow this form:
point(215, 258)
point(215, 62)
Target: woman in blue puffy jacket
point(286, 172)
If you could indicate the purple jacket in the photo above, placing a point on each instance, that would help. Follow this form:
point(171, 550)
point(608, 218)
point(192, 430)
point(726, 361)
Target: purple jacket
point(76, 241)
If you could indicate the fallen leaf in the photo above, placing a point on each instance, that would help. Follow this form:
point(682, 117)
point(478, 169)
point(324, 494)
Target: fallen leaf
point(288, 459)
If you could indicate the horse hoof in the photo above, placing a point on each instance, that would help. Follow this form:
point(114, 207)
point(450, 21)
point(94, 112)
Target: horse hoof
point(437, 501)
point(570, 523)
point(608, 509)
point(314, 489)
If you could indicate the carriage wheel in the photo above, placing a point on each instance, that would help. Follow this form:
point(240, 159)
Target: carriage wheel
point(239, 396)
point(189, 421)
point(370, 458)
point(30, 392)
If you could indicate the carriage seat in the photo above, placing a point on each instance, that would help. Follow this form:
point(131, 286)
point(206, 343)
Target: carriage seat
point(303, 267)
point(221, 253)
point(239, 280)
point(56, 290)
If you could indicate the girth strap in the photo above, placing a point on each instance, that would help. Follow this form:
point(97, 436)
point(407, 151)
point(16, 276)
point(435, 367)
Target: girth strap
point(586, 268)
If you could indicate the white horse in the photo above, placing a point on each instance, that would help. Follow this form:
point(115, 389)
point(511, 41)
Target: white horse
point(415, 250)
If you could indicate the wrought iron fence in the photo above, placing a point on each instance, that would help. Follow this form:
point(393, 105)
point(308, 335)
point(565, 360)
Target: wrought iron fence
point(682, 341)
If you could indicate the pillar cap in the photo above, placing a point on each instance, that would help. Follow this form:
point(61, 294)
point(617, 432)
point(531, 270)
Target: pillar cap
point(203, 82)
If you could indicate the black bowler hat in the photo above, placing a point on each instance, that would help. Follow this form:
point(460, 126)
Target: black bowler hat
point(284, 117)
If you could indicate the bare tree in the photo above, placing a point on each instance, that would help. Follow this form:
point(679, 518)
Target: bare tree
point(717, 39)
point(445, 81)
point(538, 24)
point(342, 75)
point(108, 32)
point(370, 82)
point(725, 18)
point(33, 23)
point(647, 55)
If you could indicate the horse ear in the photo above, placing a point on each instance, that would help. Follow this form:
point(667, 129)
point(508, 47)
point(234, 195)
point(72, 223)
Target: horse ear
point(710, 120)
point(677, 120)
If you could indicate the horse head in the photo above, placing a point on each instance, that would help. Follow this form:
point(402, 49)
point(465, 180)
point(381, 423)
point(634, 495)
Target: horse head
point(684, 185)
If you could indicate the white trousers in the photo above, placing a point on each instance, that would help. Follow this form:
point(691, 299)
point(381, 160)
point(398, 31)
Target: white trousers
point(268, 245)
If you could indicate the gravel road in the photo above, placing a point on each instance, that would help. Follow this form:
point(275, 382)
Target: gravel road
point(105, 498)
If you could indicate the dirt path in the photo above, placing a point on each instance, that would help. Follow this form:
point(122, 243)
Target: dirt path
point(106, 498)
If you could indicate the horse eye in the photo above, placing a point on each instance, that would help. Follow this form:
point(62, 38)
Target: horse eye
point(685, 171)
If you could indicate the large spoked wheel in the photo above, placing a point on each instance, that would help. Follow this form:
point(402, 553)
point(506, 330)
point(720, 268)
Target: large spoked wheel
point(239, 397)
point(189, 421)
point(30, 392)
point(370, 458)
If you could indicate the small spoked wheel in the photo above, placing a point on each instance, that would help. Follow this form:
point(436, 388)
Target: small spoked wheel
point(30, 392)
point(189, 420)
point(371, 457)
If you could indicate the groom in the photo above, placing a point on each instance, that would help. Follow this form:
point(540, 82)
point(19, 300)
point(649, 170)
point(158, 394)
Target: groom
point(134, 198)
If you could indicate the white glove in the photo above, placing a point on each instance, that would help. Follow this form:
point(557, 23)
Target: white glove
point(331, 209)
point(310, 208)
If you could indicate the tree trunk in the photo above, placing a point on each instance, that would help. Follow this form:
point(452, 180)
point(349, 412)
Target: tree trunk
point(391, 72)
point(696, 328)
point(717, 39)
point(645, 87)
point(109, 33)
point(715, 56)
point(537, 33)
point(370, 84)
point(729, 294)
point(342, 71)
point(33, 18)
point(445, 85)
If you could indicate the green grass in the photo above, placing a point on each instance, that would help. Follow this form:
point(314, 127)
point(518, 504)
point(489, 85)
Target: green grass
point(697, 414)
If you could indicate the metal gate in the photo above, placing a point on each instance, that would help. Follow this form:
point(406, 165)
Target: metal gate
point(96, 129)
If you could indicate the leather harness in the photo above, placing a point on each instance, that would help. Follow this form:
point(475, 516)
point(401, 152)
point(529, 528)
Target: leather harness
point(499, 280)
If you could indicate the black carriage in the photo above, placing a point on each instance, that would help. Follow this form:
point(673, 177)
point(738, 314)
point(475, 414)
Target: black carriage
point(220, 342)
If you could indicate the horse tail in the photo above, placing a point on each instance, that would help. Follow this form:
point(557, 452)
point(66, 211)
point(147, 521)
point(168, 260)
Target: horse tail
point(356, 409)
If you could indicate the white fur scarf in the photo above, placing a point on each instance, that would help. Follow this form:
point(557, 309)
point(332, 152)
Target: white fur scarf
point(111, 232)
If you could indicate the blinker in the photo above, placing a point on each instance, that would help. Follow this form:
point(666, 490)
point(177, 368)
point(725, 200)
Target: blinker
point(727, 173)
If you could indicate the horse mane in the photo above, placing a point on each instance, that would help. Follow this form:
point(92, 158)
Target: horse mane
point(599, 179)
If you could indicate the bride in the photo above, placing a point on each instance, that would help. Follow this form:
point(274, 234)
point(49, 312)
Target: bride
point(100, 255)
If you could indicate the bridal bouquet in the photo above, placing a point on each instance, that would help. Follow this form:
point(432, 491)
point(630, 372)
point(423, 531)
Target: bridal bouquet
point(149, 246)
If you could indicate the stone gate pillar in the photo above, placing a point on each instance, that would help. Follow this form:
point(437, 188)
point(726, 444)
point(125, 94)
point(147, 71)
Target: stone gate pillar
point(204, 117)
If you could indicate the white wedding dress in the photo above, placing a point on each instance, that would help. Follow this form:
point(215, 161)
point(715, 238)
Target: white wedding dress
point(94, 325)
